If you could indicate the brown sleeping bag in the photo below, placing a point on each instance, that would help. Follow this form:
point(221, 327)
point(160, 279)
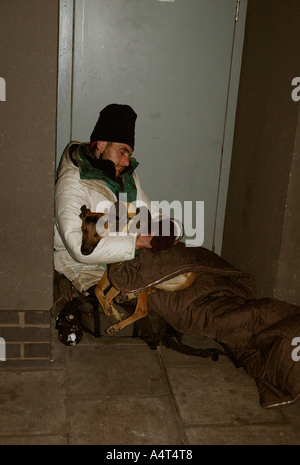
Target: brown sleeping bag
point(221, 304)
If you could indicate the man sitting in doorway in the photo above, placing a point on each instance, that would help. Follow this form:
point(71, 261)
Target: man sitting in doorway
point(91, 174)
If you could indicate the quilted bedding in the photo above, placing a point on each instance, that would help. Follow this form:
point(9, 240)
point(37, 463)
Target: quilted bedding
point(221, 304)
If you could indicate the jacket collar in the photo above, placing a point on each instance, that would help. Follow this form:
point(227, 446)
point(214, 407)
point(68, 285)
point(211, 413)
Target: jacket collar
point(88, 170)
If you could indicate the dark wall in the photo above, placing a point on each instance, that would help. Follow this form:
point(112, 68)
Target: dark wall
point(263, 215)
point(29, 44)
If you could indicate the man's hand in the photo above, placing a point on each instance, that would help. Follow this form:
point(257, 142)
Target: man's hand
point(143, 241)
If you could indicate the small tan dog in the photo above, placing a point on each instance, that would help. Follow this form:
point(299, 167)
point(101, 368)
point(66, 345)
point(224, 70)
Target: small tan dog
point(104, 291)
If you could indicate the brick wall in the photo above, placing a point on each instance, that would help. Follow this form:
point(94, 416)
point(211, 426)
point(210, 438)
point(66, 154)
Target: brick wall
point(26, 335)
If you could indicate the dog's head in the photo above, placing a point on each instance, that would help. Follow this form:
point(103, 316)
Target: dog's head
point(116, 219)
point(120, 217)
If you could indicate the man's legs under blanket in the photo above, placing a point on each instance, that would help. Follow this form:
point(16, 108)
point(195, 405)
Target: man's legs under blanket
point(258, 333)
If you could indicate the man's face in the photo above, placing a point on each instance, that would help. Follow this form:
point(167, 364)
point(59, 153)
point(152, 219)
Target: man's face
point(119, 154)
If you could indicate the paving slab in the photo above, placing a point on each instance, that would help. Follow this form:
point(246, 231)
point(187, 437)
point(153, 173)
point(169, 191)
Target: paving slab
point(266, 434)
point(120, 370)
point(32, 401)
point(211, 394)
point(125, 421)
point(34, 440)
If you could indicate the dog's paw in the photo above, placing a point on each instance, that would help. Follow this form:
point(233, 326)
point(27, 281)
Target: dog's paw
point(111, 330)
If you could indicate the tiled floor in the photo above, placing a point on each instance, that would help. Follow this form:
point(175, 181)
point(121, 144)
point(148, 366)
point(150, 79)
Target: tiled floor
point(116, 391)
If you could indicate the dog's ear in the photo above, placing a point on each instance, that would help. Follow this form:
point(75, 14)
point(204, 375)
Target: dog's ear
point(84, 211)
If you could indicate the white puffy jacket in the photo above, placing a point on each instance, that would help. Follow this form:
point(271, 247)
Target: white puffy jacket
point(71, 194)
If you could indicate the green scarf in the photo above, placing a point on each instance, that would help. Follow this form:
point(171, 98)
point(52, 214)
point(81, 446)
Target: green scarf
point(87, 171)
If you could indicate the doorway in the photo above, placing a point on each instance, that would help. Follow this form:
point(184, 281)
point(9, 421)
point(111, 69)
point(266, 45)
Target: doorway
point(177, 64)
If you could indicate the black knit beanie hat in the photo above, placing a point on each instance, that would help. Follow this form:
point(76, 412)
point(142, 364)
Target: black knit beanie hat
point(116, 123)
